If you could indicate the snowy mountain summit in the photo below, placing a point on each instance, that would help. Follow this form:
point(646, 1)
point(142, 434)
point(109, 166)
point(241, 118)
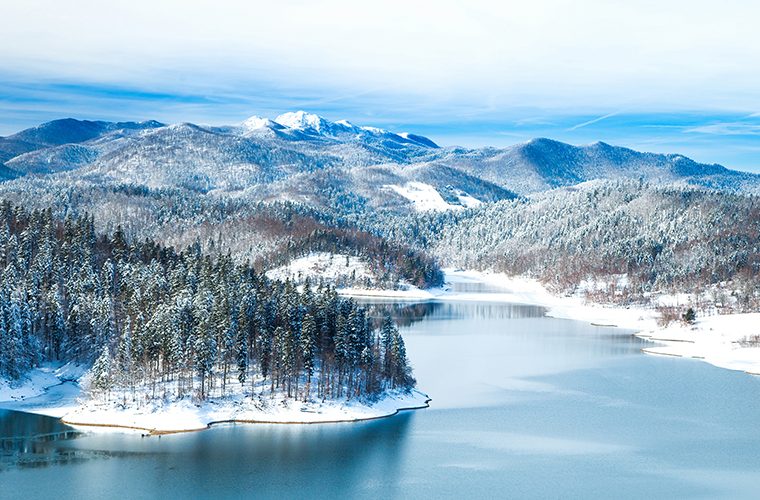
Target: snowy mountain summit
point(258, 123)
point(289, 157)
point(301, 120)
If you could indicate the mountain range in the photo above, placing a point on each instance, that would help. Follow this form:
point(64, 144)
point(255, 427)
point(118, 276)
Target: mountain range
point(300, 156)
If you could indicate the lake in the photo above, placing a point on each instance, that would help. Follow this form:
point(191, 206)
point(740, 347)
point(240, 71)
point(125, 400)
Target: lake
point(523, 406)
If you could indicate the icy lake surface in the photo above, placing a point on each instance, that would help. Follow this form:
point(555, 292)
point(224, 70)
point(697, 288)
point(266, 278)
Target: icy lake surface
point(523, 406)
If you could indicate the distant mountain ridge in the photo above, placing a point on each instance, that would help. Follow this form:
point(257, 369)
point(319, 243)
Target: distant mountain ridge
point(305, 157)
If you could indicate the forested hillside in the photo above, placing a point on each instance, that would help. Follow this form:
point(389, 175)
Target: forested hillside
point(178, 323)
point(624, 240)
point(265, 234)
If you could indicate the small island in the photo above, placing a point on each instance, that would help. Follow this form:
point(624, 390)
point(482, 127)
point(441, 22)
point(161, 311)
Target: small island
point(179, 340)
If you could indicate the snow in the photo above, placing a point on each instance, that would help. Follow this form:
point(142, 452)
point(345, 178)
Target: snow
point(53, 390)
point(331, 267)
point(256, 123)
point(468, 201)
point(36, 382)
point(185, 415)
point(727, 341)
point(423, 196)
point(374, 130)
point(301, 120)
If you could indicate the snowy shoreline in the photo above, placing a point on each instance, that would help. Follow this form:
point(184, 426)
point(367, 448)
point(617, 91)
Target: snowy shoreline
point(185, 416)
point(519, 290)
point(717, 340)
point(47, 393)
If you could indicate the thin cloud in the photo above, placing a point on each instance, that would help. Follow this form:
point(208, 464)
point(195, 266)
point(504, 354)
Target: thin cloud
point(591, 122)
point(729, 128)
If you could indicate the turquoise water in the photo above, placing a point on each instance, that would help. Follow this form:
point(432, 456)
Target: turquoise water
point(523, 406)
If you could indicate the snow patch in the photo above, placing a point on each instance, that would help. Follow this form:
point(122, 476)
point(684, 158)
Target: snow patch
point(423, 196)
point(334, 268)
point(468, 201)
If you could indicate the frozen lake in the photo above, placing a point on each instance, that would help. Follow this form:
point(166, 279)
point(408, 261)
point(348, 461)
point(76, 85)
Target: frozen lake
point(523, 406)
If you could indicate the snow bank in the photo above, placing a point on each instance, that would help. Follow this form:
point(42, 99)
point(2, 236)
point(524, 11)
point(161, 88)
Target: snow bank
point(184, 415)
point(718, 340)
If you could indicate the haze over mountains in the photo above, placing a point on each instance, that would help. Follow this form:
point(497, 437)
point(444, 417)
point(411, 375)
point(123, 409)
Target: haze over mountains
point(304, 157)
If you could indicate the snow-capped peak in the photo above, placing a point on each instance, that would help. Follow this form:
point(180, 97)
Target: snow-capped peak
point(302, 120)
point(257, 122)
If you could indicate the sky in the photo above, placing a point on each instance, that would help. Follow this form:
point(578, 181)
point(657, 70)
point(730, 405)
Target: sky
point(668, 76)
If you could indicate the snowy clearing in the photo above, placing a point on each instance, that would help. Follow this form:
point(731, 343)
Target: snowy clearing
point(335, 268)
point(426, 197)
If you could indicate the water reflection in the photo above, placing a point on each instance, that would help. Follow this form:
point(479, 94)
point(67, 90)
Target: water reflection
point(28, 440)
point(403, 312)
point(406, 313)
point(262, 460)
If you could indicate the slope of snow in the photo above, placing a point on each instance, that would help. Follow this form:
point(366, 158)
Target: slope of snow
point(423, 196)
point(51, 390)
point(325, 265)
point(468, 201)
point(36, 382)
point(728, 341)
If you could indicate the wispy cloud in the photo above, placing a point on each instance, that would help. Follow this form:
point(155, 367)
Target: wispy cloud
point(731, 128)
point(593, 121)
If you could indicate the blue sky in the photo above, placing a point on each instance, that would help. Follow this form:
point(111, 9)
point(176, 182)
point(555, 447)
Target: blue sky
point(664, 76)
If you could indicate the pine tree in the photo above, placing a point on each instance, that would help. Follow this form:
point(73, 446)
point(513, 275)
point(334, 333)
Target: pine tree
point(101, 372)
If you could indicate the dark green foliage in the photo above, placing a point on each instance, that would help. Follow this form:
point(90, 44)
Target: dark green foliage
point(149, 316)
point(690, 316)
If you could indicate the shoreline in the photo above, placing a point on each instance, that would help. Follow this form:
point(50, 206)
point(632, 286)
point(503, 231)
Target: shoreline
point(67, 404)
point(519, 290)
point(209, 425)
point(716, 340)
